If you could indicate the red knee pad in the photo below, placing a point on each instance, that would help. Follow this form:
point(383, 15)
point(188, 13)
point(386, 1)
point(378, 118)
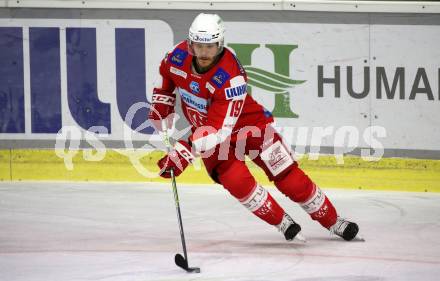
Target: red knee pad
point(236, 178)
point(295, 184)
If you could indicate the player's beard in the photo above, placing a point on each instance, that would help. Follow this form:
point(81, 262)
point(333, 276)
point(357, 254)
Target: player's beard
point(203, 65)
point(206, 66)
point(205, 62)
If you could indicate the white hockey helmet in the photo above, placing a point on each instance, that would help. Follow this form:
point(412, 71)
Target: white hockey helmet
point(207, 28)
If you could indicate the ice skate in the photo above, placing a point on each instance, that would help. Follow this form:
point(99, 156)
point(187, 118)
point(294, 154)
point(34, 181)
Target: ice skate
point(346, 230)
point(291, 229)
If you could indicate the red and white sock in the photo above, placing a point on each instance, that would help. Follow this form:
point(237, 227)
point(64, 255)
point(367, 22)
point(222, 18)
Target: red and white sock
point(319, 207)
point(262, 204)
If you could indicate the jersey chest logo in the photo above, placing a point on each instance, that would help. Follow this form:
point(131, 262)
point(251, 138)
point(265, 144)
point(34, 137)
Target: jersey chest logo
point(190, 100)
point(196, 118)
point(195, 87)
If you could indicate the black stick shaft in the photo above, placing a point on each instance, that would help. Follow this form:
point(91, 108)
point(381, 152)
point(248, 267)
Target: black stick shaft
point(176, 195)
point(179, 214)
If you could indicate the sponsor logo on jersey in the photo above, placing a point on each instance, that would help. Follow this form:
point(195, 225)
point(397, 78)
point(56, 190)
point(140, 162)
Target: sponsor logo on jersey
point(235, 92)
point(178, 57)
point(178, 72)
point(276, 158)
point(220, 77)
point(193, 101)
point(194, 86)
point(210, 88)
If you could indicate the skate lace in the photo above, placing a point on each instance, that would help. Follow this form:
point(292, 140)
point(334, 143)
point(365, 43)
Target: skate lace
point(339, 227)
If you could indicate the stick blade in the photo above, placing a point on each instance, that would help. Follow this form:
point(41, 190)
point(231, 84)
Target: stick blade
point(180, 261)
point(183, 263)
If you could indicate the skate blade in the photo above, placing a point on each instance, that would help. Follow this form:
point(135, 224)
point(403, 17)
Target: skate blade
point(301, 238)
point(358, 238)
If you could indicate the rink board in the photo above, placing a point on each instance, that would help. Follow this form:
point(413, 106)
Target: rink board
point(355, 173)
point(337, 83)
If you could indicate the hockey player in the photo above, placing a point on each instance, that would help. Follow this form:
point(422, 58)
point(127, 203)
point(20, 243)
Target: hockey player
point(227, 123)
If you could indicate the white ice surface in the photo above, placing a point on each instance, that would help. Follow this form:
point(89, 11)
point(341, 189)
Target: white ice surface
point(89, 231)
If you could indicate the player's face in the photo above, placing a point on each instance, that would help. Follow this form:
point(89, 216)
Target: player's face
point(205, 53)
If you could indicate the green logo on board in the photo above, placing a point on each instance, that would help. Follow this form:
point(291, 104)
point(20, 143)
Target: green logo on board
point(278, 83)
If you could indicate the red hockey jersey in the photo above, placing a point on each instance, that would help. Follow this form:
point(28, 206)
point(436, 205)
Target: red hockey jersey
point(215, 102)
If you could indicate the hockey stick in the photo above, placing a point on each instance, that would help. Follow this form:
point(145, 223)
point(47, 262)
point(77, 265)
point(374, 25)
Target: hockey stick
point(181, 261)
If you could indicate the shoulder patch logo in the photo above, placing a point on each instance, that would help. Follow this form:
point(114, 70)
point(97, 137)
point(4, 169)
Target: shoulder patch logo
point(220, 77)
point(178, 57)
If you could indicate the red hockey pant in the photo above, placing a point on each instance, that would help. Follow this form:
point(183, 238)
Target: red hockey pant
point(266, 149)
